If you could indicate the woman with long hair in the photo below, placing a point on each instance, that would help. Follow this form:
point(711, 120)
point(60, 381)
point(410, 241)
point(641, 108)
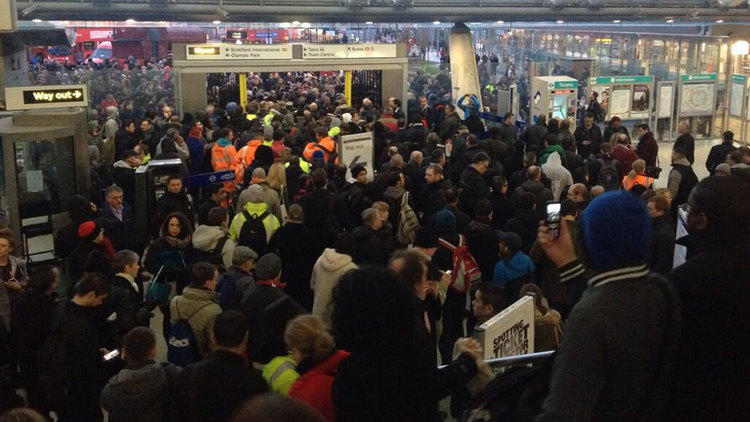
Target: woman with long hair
point(314, 351)
point(277, 181)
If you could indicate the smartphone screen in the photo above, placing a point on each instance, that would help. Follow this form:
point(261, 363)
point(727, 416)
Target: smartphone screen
point(553, 218)
point(111, 355)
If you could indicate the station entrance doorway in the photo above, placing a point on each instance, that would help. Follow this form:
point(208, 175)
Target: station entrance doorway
point(376, 71)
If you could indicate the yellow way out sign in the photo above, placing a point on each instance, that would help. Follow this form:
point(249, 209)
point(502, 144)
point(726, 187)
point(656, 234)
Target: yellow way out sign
point(48, 96)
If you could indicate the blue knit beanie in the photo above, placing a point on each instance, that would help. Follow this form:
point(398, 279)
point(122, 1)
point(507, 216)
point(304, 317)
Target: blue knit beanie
point(616, 230)
point(445, 221)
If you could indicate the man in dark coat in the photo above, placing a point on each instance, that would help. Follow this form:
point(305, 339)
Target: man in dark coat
point(718, 153)
point(211, 390)
point(325, 213)
point(503, 208)
point(508, 133)
point(714, 295)
point(451, 204)
point(472, 182)
point(431, 198)
point(116, 217)
point(681, 180)
point(371, 248)
point(534, 186)
point(647, 149)
point(173, 200)
point(685, 142)
point(534, 135)
point(482, 239)
point(661, 258)
point(126, 296)
point(588, 137)
point(150, 135)
point(615, 126)
point(526, 221)
point(298, 248)
point(450, 124)
point(123, 174)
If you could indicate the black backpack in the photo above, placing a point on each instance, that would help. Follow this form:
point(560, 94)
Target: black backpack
point(212, 256)
point(253, 232)
point(609, 177)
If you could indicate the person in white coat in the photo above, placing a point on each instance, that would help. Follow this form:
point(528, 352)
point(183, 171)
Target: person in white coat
point(557, 174)
point(328, 270)
point(207, 236)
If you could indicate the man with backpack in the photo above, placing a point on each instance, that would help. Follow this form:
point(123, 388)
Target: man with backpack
point(192, 314)
point(255, 224)
point(212, 389)
point(143, 387)
point(211, 242)
point(71, 365)
point(237, 278)
point(604, 170)
point(325, 213)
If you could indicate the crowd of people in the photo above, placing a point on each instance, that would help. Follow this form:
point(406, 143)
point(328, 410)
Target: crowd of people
point(306, 289)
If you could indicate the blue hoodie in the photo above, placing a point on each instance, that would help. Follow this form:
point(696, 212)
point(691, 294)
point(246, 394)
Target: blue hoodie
point(510, 269)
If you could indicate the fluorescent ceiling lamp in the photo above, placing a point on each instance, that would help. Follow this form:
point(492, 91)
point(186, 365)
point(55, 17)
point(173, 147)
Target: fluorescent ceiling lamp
point(130, 21)
point(741, 48)
point(216, 22)
point(436, 22)
point(500, 22)
point(36, 20)
point(368, 23)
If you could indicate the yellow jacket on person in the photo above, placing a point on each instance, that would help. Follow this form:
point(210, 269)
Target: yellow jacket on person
point(270, 223)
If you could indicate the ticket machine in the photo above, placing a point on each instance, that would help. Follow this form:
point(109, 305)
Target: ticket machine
point(150, 184)
point(554, 97)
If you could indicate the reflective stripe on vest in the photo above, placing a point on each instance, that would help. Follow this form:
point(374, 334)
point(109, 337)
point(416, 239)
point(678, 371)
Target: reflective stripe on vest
point(285, 366)
point(220, 160)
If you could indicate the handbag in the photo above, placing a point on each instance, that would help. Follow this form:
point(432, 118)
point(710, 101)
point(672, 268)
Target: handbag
point(158, 291)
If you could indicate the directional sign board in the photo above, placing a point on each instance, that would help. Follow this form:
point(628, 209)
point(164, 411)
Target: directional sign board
point(239, 51)
point(46, 96)
point(357, 149)
point(323, 51)
point(509, 333)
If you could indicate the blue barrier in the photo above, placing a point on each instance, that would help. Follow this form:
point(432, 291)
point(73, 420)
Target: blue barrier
point(206, 179)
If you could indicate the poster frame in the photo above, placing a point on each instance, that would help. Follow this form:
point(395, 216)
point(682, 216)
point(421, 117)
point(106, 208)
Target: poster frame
point(703, 78)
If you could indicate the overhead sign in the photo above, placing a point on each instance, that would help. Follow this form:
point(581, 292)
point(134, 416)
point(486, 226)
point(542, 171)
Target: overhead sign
point(206, 179)
point(366, 51)
point(509, 333)
point(699, 78)
point(357, 149)
point(49, 96)
point(8, 20)
point(324, 51)
point(565, 85)
point(238, 51)
point(609, 80)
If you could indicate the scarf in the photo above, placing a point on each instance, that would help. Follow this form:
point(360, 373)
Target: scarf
point(273, 283)
point(176, 242)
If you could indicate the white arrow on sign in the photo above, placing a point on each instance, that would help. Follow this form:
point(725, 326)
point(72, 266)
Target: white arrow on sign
point(355, 162)
point(77, 94)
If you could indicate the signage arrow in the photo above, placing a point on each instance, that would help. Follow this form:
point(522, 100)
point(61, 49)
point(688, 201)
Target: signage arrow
point(77, 94)
point(355, 162)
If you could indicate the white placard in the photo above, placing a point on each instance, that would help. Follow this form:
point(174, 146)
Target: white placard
point(238, 52)
point(666, 101)
point(619, 103)
point(46, 96)
point(366, 51)
point(8, 19)
point(509, 333)
point(697, 99)
point(735, 99)
point(34, 181)
point(357, 149)
point(324, 51)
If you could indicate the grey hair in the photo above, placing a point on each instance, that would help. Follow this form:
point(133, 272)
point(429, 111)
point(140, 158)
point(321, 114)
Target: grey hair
point(369, 215)
point(243, 254)
point(112, 189)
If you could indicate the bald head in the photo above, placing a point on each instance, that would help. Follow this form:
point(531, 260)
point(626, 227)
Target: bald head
point(534, 173)
point(416, 157)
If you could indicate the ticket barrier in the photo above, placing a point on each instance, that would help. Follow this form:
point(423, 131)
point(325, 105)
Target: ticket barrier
point(150, 184)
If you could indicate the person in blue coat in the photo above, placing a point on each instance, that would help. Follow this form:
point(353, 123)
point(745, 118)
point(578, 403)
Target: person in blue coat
point(515, 268)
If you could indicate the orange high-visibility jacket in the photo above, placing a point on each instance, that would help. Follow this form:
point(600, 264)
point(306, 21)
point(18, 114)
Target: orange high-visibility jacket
point(244, 157)
point(327, 145)
point(628, 182)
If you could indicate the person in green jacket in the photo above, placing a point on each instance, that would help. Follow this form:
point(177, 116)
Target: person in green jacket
point(550, 146)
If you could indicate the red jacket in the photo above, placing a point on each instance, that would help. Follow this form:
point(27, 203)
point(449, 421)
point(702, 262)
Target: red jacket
point(648, 149)
point(624, 156)
point(314, 386)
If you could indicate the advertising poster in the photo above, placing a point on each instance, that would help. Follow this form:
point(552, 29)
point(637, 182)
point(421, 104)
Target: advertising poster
point(509, 333)
point(641, 101)
point(736, 95)
point(619, 104)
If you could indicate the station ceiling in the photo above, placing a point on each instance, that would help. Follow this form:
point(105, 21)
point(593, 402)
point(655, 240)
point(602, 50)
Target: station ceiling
point(387, 10)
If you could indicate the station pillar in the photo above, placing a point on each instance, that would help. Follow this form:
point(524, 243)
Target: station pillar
point(464, 74)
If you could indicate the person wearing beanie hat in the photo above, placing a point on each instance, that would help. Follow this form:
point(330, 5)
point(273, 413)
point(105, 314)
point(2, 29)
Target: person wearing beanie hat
point(268, 270)
point(94, 251)
point(622, 294)
point(359, 172)
point(236, 278)
point(515, 268)
point(323, 143)
point(346, 117)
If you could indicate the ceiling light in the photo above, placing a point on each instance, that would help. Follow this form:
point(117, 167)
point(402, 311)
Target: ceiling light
point(560, 21)
point(130, 21)
point(740, 48)
point(616, 21)
point(368, 23)
point(670, 20)
point(36, 20)
point(216, 22)
point(500, 22)
point(436, 22)
point(295, 23)
point(719, 20)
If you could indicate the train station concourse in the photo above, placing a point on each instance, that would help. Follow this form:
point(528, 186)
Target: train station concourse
point(374, 210)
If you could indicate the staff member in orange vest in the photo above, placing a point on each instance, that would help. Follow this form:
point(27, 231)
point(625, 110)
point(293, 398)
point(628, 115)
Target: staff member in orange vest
point(223, 155)
point(637, 176)
point(245, 156)
point(324, 143)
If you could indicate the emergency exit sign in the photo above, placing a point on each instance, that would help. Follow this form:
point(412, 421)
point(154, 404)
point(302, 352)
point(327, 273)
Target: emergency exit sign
point(50, 96)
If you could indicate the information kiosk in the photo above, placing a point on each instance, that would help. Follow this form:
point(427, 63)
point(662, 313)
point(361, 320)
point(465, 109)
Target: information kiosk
point(627, 97)
point(554, 97)
point(696, 103)
point(150, 184)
